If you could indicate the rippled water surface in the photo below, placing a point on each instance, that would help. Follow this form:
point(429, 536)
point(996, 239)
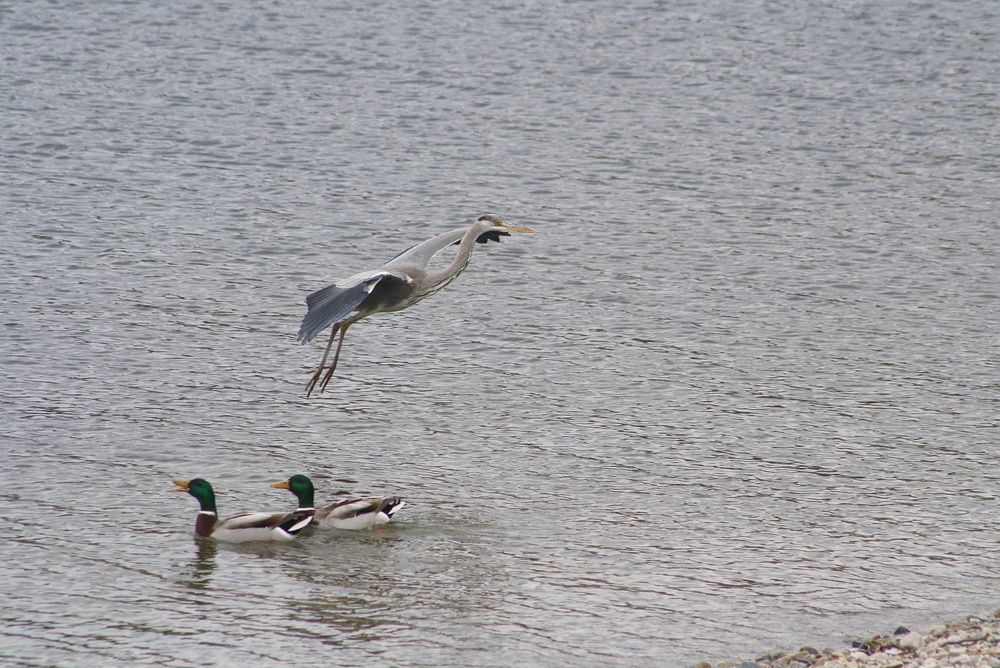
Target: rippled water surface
point(739, 395)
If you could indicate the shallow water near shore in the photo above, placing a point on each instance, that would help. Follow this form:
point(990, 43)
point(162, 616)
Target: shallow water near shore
point(738, 395)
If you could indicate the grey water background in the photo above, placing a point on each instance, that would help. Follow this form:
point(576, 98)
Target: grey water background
point(738, 395)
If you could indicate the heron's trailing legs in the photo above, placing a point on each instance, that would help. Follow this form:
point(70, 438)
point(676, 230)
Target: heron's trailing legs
point(322, 365)
point(333, 365)
point(336, 356)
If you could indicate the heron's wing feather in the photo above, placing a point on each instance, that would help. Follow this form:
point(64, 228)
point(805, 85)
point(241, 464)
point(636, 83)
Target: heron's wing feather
point(421, 254)
point(492, 235)
point(334, 302)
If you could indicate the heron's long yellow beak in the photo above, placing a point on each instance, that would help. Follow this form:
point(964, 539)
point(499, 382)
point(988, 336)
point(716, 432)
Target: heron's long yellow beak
point(515, 228)
point(281, 485)
point(182, 486)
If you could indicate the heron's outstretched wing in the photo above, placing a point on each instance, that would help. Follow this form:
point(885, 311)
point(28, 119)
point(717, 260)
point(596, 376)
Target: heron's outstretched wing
point(421, 254)
point(334, 302)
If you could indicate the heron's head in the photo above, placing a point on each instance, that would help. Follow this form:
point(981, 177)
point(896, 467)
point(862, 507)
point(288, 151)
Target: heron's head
point(493, 223)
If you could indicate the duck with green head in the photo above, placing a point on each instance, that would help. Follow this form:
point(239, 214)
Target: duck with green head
point(352, 514)
point(241, 528)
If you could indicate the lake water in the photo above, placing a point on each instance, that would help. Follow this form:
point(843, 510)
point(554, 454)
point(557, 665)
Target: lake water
point(740, 394)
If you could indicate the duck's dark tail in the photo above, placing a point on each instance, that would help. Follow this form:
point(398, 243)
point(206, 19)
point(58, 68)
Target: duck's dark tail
point(391, 505)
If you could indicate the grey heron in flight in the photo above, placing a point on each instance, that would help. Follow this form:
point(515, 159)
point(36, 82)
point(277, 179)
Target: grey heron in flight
point(401, 282)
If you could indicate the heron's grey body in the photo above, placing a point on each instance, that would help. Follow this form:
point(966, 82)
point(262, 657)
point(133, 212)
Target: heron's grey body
point(401, 282)
point(391, 287)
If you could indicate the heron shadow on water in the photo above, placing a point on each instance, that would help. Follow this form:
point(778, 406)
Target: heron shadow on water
point(399, 283)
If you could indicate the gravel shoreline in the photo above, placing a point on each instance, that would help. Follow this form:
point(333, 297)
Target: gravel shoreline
point(974, 643)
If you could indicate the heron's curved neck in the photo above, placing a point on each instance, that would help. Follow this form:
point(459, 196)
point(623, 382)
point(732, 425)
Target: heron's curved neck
point(442, 277)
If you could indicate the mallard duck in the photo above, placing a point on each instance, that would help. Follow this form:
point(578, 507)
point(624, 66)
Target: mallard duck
point(351, 514)
point(241, 528)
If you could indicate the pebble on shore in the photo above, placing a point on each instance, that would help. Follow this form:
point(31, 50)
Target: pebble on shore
point(974, 643)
